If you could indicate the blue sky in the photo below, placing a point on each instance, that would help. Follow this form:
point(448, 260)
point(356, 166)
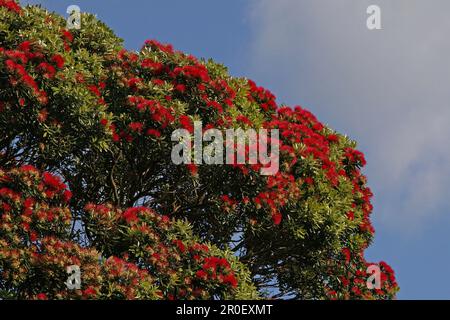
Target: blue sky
point(387, 89)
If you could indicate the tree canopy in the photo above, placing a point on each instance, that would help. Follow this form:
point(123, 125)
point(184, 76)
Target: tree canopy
point(87, 178)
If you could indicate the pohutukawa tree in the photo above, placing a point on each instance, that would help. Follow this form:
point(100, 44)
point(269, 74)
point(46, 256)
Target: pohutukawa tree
point(87, 178)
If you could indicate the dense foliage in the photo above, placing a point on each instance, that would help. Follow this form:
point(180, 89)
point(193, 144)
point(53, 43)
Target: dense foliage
point(100, 118)
point(143, 254)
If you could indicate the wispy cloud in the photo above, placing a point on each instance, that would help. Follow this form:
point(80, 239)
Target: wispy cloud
point(388, 89)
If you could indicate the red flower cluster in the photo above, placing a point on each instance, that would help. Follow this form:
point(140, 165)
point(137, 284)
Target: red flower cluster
point(193, 168)
point(196, 71)
point(136, 126)
point(67, 37)
point(29, 55)
point(163, 256)
point(151, 113)
point(154, 44)
point(352, 284)
point(58, 60)
point(31, 234)
point(153, 132)
point(216, 268)
point(94, 89)
point(155, 67)
point(186, 123)
point(355, 157)
point(347, 254)
point(47, 69)
point(262, 96)
point(114, 278)
point(131, 215)
point(25, 216)
point(11, 5)
point(53, 182)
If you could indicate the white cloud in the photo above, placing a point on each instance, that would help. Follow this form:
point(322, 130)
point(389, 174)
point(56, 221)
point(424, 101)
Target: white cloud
point(388, 89)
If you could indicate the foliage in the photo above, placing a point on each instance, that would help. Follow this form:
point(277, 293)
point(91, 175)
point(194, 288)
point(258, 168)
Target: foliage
point(75, 103)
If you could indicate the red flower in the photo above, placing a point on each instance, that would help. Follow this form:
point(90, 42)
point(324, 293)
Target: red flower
point(28, 206)
point(244, 119)
point(158, 82)
point(10, 65)
point(67, 35)
point(201, 274)
point(345, 281)
point(153, 132)
point(136, 126)
point(226, 198)
point(346, 253)
point(42, 116)
point(156, 66)
point(277, 218)
point(41, 296)
point(167, 48)
point(333, 138)
point(356, 291)
point(67, 195)
point(367, 226)
point(186, 123)
point(53, 181)
point(33, 236)
point(180, 245)
point(192, 168)
point(28, 203)
point(11, 5)
point(180, 87)
point(28, 168)
point(130, 215)
point(89, 292)
point(355, 156)
point(26, 226)
point(94, 90)
point(48, 70)
point(350, 215)
point(25, 46)
point(6, 207)
point(133, 82)
point(58, 60)
point(231, 280)
point(332, 293)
